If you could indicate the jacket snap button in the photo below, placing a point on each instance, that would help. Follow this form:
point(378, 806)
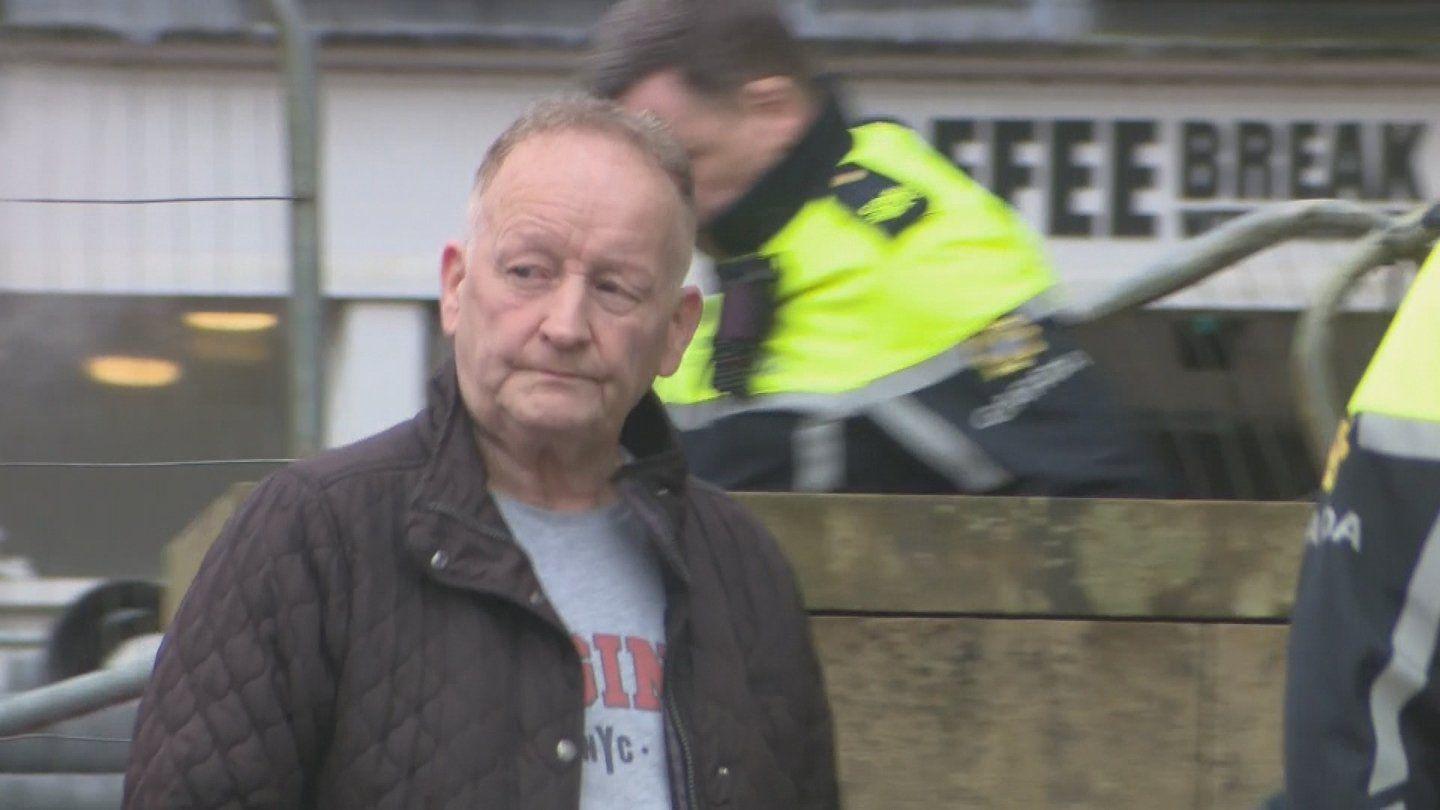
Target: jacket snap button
point(565, 751)
point(536, 598)
point(662, 491)
point(721, 787)
point(439, 560)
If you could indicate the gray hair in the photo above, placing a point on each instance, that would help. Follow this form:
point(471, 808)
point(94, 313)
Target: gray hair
point(716, 45)
point(572, 113)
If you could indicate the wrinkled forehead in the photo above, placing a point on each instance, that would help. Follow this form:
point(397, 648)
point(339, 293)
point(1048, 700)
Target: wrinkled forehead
point(598, 179)
point(578, 155)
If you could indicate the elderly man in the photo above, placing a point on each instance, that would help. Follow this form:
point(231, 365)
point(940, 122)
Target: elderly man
point(518, 599)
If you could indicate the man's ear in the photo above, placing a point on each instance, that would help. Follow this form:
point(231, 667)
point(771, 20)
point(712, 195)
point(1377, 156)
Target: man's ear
point(683, 322)
point(452, 272)
point(781, 102)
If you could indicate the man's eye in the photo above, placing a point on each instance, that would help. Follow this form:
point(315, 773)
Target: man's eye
point(614, 296)
point(527, 275)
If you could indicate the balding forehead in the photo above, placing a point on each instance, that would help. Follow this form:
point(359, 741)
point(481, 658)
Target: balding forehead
point(492, 192)
point(570, 138)
point(642, 131)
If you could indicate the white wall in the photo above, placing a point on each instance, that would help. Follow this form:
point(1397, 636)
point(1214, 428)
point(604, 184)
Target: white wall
point(377, 368)
point(80, 131)
point(399, 149)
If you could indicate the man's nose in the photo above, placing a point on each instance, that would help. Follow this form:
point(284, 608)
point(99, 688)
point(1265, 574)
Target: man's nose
point(567, 323)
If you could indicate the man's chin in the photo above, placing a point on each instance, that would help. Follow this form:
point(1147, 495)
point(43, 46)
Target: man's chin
point(559, 425)
point(559, 415)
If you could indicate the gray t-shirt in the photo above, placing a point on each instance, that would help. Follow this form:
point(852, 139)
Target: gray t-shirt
point(603, 579)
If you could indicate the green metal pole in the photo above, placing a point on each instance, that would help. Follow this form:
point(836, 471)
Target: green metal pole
point(306, 315)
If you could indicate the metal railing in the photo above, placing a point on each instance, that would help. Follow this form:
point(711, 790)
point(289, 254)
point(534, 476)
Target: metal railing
point(73, 697)
point(1218, 249)
point(1320, 400)
point(81, 695)
point(1281, 456)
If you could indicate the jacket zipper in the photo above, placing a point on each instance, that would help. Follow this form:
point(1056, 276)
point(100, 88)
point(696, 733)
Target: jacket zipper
point(671, 709)
point(685, 757)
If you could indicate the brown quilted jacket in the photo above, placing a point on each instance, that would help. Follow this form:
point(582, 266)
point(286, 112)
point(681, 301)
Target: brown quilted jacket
point(366, 634)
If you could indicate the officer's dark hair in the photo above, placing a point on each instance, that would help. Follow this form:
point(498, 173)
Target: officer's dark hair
point(716, 45)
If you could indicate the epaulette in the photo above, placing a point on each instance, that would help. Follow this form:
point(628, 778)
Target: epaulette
point(877, 199)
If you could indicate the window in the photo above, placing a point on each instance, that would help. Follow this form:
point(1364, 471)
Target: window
point(130, 379)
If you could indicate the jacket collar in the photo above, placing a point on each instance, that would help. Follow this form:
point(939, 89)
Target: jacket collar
point(801, 175)
point(452, 492)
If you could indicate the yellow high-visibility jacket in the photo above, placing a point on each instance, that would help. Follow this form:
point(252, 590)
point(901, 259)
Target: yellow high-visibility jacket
point(1403, 379)
point(886, 257)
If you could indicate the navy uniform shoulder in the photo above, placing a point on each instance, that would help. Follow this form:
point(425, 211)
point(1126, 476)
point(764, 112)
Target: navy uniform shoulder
point(877, 199)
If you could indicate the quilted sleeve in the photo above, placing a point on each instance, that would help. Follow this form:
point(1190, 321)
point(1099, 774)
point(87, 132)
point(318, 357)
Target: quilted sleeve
point(783, 663)
point(238, 709)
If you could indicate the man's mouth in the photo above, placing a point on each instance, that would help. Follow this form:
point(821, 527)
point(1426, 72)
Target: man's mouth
point(563, 375)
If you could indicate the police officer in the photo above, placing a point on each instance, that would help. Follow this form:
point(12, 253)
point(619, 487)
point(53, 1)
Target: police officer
point(1362, 704)
point(884, 323)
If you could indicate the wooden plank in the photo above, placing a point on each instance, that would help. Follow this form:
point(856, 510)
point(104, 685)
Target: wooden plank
point(1000, 712)
point(1038, 556)
point(987, 713)
point(1241, 755)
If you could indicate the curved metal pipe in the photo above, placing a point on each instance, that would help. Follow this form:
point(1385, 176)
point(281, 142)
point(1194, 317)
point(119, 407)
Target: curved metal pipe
point(1216, 250)
point(37, 708)
point(1312, 353)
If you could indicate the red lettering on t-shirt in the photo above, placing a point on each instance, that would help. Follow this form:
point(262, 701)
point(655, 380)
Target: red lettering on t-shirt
point(586, 668)
point(647, 673)
point(609, 648)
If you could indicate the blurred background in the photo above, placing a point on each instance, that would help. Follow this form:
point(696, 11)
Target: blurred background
point(1118, 128)
point(146, 240)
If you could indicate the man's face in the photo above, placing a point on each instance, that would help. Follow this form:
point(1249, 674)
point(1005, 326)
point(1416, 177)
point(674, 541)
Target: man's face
point(731, 141)
point(566, 302)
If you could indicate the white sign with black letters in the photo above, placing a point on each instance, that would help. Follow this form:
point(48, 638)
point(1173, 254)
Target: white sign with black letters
point(1116, 176)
